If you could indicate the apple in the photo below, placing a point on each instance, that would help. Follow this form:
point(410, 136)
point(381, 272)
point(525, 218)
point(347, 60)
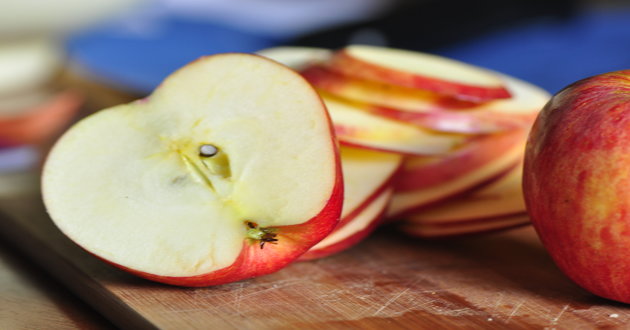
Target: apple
point(407, 202)
point(228, 171)
point(498, 199)
point(297, 58)
point(434, 111)
point(39, 121)
point(425, 172)
point(357, 228)
point(366, 174)
point(364, 130)
point(576, 179)
point(419, 71)
point(28, 64)
point(464, 228)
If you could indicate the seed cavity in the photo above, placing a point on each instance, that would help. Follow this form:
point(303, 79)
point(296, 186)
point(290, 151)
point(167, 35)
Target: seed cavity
point(261, 235)
point(208, 150)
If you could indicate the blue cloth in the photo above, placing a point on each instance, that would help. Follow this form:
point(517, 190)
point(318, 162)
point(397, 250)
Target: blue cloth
point(554, 53)
point(140, 61)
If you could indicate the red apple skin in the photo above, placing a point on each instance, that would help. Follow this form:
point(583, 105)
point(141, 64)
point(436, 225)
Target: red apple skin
point(438, 112)
point(418, 173)
point(346, 64)
point(577, 182)
point(40, 123)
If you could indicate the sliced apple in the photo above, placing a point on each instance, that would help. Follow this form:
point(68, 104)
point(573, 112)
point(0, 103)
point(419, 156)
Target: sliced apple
point(28, 63)
point(357, 228)
point(405, 202)
point(434, 111)
point(366, 174)
point(499, 199)
point(464, 229)
point(361, 129)
point(41, 121)
point(419, 71)
point(229, 170)
point(297, 58)
point(425, 172)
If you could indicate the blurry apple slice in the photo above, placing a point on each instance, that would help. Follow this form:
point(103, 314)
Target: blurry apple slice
point(424, 172)
point(464, 229)
point(434, 111)
point(405, 202)
point(41, 121)
point(366, 174)
point(357, 228)
point(229, 170)
point(499, 199)
point(297, 58)
point(361, 129)
point(419, 71)
point(27, 64)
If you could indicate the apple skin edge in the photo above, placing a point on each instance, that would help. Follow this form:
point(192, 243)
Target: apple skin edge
point(346, 64)
point(576, 182)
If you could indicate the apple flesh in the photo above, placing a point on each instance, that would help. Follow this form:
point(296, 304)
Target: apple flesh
point(229, 170)
point(407, 202)
point(576, 179)
point(358, 128)
point(432, 110)
point(355, 228)
point(419, 71)
point(501, 198)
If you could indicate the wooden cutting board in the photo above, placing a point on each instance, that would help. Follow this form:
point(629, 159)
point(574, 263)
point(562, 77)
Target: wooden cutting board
point(503, 280)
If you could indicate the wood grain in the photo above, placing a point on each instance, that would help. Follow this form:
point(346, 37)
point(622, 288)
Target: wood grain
point(499, 281)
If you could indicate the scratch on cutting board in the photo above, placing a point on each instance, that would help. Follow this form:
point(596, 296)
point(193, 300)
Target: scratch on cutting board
point(514, 311)
point(391, 300)
point(496, 305)
point(557, 318)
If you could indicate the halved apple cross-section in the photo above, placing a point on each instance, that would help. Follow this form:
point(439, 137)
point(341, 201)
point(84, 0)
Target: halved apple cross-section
point(229, 170)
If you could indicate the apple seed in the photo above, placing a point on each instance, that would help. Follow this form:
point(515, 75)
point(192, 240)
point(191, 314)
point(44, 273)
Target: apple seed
point(208, 150)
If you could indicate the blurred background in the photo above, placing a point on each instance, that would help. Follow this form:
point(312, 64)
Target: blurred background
point(51, 52)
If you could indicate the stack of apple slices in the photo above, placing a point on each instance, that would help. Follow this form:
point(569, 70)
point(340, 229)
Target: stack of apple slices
point(461, 130)
point(31, 111)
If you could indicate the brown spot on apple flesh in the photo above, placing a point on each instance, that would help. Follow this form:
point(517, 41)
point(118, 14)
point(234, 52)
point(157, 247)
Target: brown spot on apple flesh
point(261, 235)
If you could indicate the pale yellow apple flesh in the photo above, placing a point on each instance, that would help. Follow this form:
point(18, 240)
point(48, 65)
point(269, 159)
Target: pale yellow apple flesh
point(297, 57)
point(365, 173)
point(403, 202)
point(500, 198)
point(360, 222)
point(363, 129)
point(131, 184)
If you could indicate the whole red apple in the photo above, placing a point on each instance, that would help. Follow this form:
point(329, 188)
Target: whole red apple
point(577, 182)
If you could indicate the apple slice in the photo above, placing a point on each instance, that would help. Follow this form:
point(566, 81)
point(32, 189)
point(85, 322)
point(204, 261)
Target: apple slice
point(366, 174)
point(297, 58)
point(27, 64)
point(464, 229)
point(229, 170)
point(405, 202)
point(41, 121)
point(361, 129)
point(419, 71)
point(432, 110)
point(357, 228)
point(425, 172)
point(499, 199)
